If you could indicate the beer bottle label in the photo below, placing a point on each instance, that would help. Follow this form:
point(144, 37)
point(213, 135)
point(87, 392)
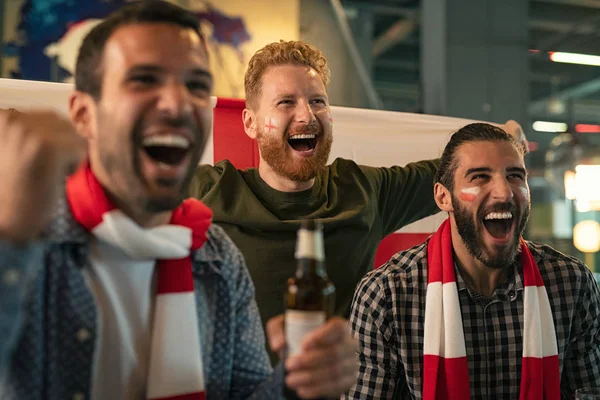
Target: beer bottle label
point(310, 245)
point(298, 323)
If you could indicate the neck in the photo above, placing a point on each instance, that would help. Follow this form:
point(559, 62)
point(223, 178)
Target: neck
point(281, 183)
point(145, 220)
point(478, 277)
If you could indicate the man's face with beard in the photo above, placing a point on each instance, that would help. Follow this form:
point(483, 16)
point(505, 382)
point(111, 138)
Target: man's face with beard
point(490, 201)
point(292, 122)
point(147, 131)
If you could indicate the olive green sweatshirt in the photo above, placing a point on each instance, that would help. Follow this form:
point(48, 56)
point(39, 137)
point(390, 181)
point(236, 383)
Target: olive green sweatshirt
point(358, 206)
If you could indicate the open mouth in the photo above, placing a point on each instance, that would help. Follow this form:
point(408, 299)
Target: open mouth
point(499, 224)
point(166, 149)
point(304, 142)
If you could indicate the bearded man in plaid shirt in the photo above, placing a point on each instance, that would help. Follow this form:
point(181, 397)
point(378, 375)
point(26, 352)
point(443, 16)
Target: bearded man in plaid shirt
point(476, 311)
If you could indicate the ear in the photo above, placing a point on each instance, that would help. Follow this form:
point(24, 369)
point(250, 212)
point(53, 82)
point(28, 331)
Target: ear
point(250, 123)
point(443, 197)
point(81, 113)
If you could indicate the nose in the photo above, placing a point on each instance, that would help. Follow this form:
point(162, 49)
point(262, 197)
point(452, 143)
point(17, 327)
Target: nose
point(175, 100)
point(304, 113)
point(502, 190)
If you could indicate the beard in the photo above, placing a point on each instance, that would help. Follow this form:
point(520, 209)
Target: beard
point(178, 190)
point(471, 233)
point(278, 154)
point(128, 185)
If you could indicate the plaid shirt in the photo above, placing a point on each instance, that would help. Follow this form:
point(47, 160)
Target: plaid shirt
point(388, 315)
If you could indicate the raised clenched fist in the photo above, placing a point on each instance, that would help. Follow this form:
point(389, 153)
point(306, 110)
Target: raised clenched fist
point(37, 150)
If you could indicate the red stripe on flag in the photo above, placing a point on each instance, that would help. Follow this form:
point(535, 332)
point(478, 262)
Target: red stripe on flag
point(189, 396)
point(174, 276)
point(396, 242)
point(453, 374)
point(224, 102)
point(229, 138)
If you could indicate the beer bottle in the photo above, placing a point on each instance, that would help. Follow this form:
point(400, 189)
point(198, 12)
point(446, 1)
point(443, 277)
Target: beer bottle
point(310, 295)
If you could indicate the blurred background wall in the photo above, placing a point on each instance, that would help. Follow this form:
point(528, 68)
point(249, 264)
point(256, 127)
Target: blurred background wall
point(535, 61)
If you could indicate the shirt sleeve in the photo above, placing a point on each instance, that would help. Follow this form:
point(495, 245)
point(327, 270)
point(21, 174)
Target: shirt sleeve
point(17, 265)
point(582, 360)
point(252, 376)
point(405, 193)
point(370, 323)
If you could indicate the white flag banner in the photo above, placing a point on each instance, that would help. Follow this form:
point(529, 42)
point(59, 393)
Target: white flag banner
point(369, 137)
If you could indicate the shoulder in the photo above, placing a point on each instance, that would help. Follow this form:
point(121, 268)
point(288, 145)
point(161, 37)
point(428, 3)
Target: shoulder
point(224, 166)
point(385, 296)
point(550, 259)
point(342, 162)
point(347, 172)
point(219, 241)
point(207, 177)
point(220, 253)
point(561, 273)
point(404, 272)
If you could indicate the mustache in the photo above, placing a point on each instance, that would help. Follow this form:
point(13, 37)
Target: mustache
point(186, 123)
point(177, 123)
point(498, 207)
point(310, 129)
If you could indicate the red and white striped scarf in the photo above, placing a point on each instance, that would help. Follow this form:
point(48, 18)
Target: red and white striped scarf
point(175, 370)
point(445, 368)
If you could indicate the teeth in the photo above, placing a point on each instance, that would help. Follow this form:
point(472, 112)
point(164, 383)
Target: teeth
point(167, 141)
point(498, 215)
point(305, 136)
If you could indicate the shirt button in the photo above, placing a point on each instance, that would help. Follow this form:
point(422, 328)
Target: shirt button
point(11, 277)
point(512, 295)
point(78, 396)
point(83, 335)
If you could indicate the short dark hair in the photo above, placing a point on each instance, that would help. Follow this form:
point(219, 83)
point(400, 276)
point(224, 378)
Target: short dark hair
point(88, 70)
point(477, 132)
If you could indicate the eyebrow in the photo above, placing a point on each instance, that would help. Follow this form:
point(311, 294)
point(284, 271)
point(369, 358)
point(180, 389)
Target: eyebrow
point(475, 170)
point(517, 169)
point(158, 69)
point(290, 96)
point(487, 169)
point(279, 96)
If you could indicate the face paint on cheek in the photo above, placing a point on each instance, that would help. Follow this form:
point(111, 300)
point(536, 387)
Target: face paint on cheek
point(524, 191)
point(469, 194)
point(270, 124)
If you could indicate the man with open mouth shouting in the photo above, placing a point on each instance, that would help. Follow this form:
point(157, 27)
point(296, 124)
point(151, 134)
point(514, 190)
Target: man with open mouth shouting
point(476, 311)
point(132, 292)
point(287, 112)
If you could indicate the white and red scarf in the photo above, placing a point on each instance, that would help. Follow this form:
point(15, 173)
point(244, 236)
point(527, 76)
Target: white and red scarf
point(175, 370)
point(445, 367)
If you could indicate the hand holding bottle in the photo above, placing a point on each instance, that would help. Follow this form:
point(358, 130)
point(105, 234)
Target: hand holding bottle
point(327, 365)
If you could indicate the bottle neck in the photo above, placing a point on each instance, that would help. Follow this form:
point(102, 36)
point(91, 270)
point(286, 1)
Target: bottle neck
point(310, 245)
point(310, 267)
point(310, 253)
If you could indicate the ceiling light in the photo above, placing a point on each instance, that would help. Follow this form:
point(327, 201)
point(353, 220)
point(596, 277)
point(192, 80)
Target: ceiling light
point(546, 126)
point(575, 58)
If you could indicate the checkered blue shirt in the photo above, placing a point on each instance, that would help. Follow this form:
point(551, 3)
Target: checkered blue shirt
point(388, 315)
